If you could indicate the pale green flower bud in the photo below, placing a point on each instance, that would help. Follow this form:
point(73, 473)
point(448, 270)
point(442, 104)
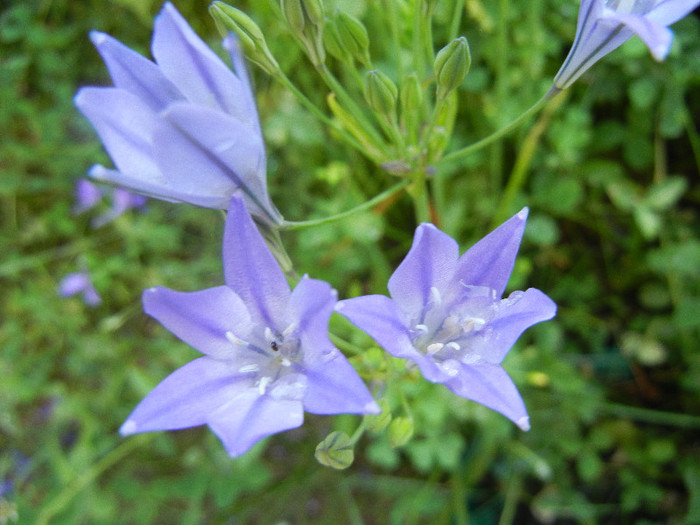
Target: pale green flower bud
point(336, 451)
point(411, 93)
point(411, 98)
point(353, 36)
point(332, 42)
point(314, 11)
point(294, 14)
point(381, 93)
point(305, 19)
point(451, 66)
point(229, 19)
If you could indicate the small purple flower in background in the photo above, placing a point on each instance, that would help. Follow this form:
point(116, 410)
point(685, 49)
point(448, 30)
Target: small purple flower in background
point(87, 196)
point(267, 353)
point(122, 201)
point(604, 25)
point(79, 283)
point(446, 314)
point(184, 128)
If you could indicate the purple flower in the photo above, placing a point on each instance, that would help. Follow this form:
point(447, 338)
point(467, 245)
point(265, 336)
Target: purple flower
point(122, 201)
point(79, 283)
point(446, 314)
point(87, 196)
point(604, 25)
point(267, 353)
point(184, 128)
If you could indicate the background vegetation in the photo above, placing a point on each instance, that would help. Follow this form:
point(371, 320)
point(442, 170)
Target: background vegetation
point(612, 384)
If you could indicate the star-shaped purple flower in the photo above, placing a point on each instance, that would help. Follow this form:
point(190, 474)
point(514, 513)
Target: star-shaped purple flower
point(604, 25)
point(267, 353)
point(184, 128)
point(446, 314)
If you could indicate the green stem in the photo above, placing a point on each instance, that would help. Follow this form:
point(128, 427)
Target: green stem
point(456, 19)
point(518, 176)
point(352, 107)
point(656, 417)
point(421, 202)
point(71, 491)
point(315, 111)
point(358, 433)
point(692, 136)
point(466, 151)
point(459, 499)
point(299, 225)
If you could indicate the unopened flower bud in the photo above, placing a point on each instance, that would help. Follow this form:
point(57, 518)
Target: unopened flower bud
point(305, 19)
point(293, 13)
point(353, 36)
point(314, 11)
point(451, 66)
point(332, 42)
point(381, 93)
point(336, 451)
point(229, 19)
point(411, 98)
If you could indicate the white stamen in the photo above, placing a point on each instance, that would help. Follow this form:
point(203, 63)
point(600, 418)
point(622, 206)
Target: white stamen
point(421, 328)
point(234, 340)
point(269, 336)
point(474, 323)
point(289, 330)
point(434, 348)
point(453, 346)
point(285, 362)
point(435, 297)
point(249, 368)
point(262, 384)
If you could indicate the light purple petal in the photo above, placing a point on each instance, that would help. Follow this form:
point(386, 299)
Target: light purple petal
point(336, 388)
point(515, 314)
point(251, 270)
point(490, 385)
point(667, 12)
point(429, 263)
point(207, 152)
point(126, 126)
point(656, 36)
point(134, 73)
point(233, 46)
point(195, 69)
point(201, 319)
point(186, 397)
point(248, 417)
point(310, 307)
point(490, 261)
point(157, 189)
point(380, 318)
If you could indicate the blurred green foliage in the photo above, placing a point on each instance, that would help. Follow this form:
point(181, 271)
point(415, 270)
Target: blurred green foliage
point(612, 384)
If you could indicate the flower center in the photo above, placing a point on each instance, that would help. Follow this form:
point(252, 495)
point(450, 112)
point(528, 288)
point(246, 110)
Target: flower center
point(444, 332)
point(272, 355)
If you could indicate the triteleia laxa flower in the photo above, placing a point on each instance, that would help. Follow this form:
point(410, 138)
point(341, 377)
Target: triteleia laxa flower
point(604, 25)
point(79, 283)
point(446, 314)
point(183, 128)
point(267, 353)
